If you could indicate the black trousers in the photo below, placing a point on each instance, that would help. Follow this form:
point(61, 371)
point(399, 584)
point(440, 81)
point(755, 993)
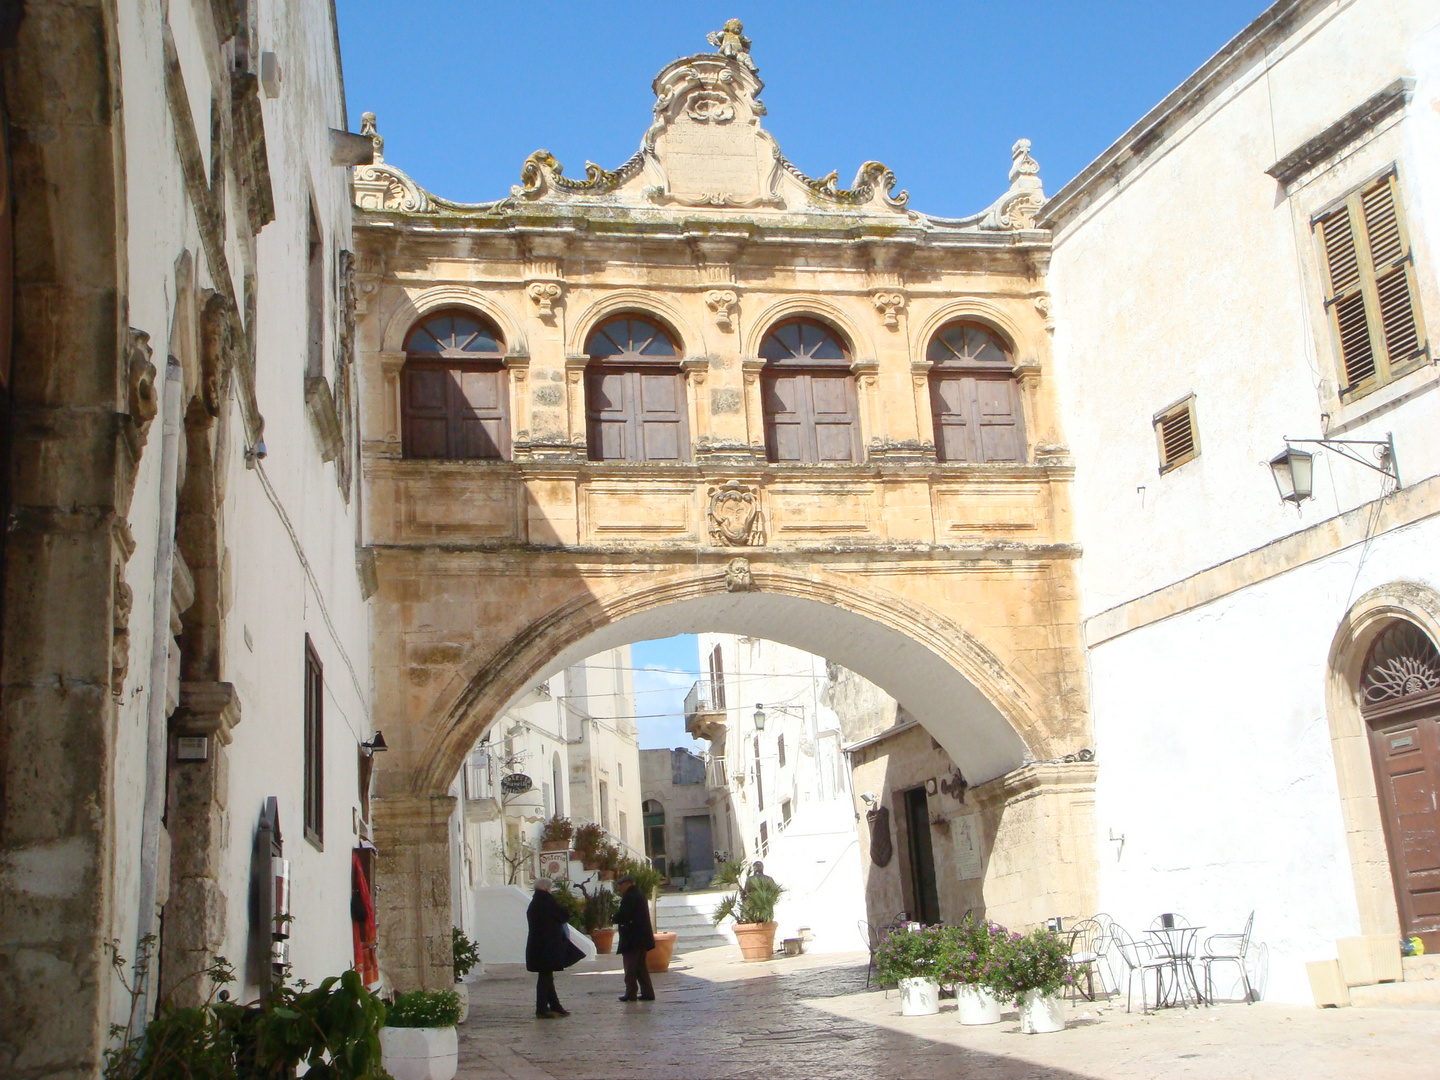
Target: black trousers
point(637, 975)
point(545, 999)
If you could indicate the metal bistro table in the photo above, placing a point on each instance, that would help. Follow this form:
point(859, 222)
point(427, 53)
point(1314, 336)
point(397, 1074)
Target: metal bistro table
point(1176, 946)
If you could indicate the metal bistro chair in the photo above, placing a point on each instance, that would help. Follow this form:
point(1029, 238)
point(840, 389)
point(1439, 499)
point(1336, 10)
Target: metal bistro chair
point(1217, 951)
point(872, 942)
point(1136, 958)
point(1086, 945)
point(1180, 961)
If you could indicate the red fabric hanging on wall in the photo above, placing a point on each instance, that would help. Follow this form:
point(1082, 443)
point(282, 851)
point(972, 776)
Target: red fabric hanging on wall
point(362, 922)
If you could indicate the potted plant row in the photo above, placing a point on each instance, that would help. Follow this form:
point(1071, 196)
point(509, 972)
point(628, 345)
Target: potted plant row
point(988, 966)
point(752, 906)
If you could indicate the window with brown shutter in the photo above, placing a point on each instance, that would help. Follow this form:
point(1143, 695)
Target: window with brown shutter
point(1370, 291)
point(974, 396)
point(1176, 435)
point(454, 394)
point(808, 393)
point(314, 763)
point(635, 393)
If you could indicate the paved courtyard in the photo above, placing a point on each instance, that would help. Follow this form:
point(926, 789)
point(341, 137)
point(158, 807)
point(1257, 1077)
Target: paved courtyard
point(810, 1017)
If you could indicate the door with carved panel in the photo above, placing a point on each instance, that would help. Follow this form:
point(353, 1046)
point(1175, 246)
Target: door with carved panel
point(1401, 703)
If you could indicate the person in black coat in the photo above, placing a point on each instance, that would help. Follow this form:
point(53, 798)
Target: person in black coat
point(636, 939)
point(548, 949)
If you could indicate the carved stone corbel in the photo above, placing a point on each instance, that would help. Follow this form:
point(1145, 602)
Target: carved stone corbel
point(889, 303)
point(545, 294)
point(1046, 309)
point(738, 577)
point(722, 302)
point(207, 708)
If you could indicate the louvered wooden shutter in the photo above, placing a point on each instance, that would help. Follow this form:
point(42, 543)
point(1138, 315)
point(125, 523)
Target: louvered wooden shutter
point(1370, 286)
point(1175, 432)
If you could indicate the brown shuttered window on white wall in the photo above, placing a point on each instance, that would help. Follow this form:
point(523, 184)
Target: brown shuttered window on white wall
point(1175, 434)
point(1370, 289)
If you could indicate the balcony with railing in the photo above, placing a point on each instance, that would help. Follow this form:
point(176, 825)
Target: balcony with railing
point(705, 709)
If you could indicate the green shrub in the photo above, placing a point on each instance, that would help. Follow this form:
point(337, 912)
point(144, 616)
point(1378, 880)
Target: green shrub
point(466, 955)
point(424, 1009)
point(1036, 961)
point(753, 903)
point(571, 901)
point(599, 910)
point(647, 879)
point(555, 832)
point(913, 954)
point(587, 841)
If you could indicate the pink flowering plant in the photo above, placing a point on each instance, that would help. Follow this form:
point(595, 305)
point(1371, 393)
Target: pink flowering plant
point(913, 954)
point(974, 952)
point(1037, 961)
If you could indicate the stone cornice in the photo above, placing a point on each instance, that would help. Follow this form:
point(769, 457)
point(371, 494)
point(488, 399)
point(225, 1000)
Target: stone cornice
point(1359, 120)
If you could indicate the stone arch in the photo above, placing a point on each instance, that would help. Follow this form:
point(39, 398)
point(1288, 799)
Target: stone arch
point(862, 345)
point(1359, 799)
point(997, 317)
point(414, 308)
point(985, 715)
point(647, 304)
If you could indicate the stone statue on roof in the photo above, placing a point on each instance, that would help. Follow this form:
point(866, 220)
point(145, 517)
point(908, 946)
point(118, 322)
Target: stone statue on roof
point(732, 42)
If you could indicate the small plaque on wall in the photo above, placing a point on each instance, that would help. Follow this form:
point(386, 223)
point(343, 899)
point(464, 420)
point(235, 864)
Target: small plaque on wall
point(965, 833)
point(192, 748)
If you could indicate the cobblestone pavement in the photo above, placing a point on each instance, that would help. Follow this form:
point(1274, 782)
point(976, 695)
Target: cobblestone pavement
point(810, 1018)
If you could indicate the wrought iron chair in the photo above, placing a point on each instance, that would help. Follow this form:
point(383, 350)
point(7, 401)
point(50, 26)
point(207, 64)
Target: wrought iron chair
point(1180, 960)
point(872, 942)
point(1136, 958)
point(1229, 949)
point(1087, 943)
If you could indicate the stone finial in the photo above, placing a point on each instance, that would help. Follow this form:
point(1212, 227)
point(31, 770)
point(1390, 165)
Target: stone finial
point(731, 42)
point(1022, 164)
point(1016, 209)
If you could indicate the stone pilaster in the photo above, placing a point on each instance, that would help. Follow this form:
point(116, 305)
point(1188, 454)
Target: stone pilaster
point(197, 814)
point(412, 890)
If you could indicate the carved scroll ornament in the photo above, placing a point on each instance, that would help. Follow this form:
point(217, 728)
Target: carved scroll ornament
point(738, 577)
point(722, 302)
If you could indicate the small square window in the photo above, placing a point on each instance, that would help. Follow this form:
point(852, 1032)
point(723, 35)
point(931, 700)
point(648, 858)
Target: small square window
point(1176, 436)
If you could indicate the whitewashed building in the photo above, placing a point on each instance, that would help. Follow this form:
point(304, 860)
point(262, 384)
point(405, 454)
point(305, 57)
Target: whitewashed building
point(779, 787)
point(1255, 261)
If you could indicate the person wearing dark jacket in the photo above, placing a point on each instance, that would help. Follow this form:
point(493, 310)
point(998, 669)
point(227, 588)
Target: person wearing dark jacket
point(548, 949)
point(636, 939)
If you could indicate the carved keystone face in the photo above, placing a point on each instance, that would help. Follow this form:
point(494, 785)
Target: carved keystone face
point(144, 403)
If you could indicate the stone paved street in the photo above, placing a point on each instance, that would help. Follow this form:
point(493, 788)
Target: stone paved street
point(810, 1017)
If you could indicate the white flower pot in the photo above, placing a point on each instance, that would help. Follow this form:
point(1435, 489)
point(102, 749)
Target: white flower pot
point(977, 1004)
point(419, 1053)
point(918, 997)
point(462, 991)
point(1039, 1013)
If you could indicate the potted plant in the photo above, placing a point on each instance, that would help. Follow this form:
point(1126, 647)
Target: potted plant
point(912, 958)
point(466, 955)
point(753, 909)
point(587, 840)
point(971, 962)
point(1032, 973)
point(418, 1040)
point(556, 833)
point(598, 916)
point(608, 859)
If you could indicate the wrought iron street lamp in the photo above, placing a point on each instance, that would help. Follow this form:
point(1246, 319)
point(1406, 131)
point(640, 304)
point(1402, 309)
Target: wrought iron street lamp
point(788, 710)
point(1294, 470)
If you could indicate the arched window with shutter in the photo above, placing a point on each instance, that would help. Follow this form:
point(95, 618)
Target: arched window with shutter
point(974, 396)
point(635, 393)
point(454, 395)
point(811, 410)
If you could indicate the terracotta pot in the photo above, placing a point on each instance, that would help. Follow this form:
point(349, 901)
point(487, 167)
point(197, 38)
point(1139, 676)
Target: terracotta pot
point(757, 940)
point(419, 1053)
point(604, 939)
point(658, 958)
point(607, 875)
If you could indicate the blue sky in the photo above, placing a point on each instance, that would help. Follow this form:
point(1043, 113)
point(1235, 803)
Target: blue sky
point(465, 90)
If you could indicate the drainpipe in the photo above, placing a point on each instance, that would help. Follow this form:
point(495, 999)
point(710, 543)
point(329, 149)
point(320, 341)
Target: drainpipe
point(156, 748)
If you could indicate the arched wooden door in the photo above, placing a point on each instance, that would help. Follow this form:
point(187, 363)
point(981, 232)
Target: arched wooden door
point(1401, 703)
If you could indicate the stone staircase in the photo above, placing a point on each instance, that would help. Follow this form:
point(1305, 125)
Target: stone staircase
point(687, 915)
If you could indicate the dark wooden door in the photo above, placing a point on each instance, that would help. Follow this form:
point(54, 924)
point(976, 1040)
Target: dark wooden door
point(810, 416)
point(457, 413)
point(636, 414)
point(977, 418)
point(1406, 748)
point(922, 857)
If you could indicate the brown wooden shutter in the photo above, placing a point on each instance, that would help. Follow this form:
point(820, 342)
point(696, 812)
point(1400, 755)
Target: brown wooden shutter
point(785, 416)
point(810, 416)
point(661, 396)
point(314, 746)
point(977, 418)
point(477, 407)
point(1390, 257)
point(1176, 435)
point(636, 415)
point(425, 401)
point(832, 400)
point(1347, 297)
